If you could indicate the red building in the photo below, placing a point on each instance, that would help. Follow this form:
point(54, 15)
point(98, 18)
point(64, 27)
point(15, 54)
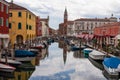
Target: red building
point(4, 28)
point(106, 34)
point(63, 26)
point(38, 27)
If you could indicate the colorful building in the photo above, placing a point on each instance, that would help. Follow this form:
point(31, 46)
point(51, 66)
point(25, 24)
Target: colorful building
point(106, 34)
point(45, 26)
point(63, 26)
point(4, 29)
point(87, 25)
point(38, 27)
point(22, 24)
point(70, 28)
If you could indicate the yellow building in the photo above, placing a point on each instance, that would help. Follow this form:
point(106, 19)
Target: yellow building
point(22, 24)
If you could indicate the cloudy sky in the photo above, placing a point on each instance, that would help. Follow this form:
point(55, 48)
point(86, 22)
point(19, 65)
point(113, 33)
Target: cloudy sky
point(76, 9)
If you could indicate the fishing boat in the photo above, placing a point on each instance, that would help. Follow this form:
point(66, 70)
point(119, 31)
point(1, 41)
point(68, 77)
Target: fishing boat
point(6, 68)
point(97, 55)
point(112, 65)
point(86, 51)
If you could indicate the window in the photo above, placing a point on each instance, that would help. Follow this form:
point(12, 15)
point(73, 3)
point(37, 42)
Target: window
point(10, 14)
point(19, 14)
point(30, 27)
point(10, 25)
point(7, 9)
point(2, 7)
point(1, 21)
point(27, 26)
point(29, 16)
point(19, 26)
point(6, 22)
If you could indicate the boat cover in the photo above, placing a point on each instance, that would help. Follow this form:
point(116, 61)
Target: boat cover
point(112, 62)
point(23, 53)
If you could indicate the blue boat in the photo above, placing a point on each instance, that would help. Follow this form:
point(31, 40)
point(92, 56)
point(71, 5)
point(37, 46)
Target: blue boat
point(112, 65)
point(23, 53)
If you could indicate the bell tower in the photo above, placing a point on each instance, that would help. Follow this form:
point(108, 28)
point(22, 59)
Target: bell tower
point(65, 16)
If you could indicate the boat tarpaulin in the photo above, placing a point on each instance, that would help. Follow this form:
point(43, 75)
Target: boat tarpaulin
point(112, 62)
point(23, 53)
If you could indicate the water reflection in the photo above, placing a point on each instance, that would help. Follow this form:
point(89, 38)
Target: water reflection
point(78, 54)
point(23, 72)
point(6, 75)
point(62, 64)
point(97, 64)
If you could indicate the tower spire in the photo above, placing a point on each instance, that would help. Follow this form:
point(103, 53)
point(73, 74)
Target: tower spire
point(65, 15)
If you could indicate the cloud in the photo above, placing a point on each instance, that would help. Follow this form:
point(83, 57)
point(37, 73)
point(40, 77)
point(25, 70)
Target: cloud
point(76, 8)
point(74, 69)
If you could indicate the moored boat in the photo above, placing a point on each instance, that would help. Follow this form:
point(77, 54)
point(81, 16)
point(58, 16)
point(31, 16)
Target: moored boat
point(24, 55)
point(112, 65)
point(11, 62)
point(97, 55)
point(86, 51)
point(6, 68)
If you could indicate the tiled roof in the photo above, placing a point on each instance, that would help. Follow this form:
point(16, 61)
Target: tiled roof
point(92, 19)
point(16, 7)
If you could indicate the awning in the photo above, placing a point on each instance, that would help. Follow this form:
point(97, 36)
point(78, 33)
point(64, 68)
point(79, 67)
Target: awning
point(91, 36)
point(4, 36)
point(80, 35)
point(86, 36)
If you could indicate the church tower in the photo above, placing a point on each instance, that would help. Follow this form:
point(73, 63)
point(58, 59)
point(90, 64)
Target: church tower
point(65, 16)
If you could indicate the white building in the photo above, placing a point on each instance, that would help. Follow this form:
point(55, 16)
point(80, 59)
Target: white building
point(70, 28)
point(87, 25)
point(45, 27)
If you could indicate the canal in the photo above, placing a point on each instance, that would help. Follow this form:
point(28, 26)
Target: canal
point(62, 64)
point(57, 62)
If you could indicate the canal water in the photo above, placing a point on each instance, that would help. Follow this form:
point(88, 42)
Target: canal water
point(62, 64)
point(57, 62)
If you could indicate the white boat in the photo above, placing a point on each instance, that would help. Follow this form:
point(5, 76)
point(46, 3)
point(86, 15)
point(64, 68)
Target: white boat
point(112, 66)
point(6, 68)
point(97, 55)
point(10, 61)
point(24, 59)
